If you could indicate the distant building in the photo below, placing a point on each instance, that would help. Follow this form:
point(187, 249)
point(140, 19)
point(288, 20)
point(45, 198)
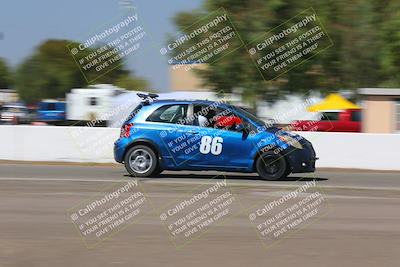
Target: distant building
point(7, 96)
point(183, 77)
point(381, 112)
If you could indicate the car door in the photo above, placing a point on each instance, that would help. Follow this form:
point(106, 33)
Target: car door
point(222, 148)
point(179, 137)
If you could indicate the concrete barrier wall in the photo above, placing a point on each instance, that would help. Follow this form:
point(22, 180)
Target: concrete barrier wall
point(85, 144)
point(56, 143)
point(356, 150)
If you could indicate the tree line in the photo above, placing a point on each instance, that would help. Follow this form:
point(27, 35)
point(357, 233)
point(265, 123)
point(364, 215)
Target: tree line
point(51, 72)
point(365, 51)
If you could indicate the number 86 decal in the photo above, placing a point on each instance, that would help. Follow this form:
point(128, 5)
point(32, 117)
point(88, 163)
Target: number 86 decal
point(213, 145)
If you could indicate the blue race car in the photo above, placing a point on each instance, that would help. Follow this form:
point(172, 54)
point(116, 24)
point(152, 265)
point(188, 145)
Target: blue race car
point(204, 135)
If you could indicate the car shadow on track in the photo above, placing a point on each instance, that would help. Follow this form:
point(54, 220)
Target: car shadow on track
point(295, 178)
point(302, 179)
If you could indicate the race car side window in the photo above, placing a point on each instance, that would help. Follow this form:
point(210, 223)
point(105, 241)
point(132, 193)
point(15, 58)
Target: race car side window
point(216, 117)
point(226, 119)
point(169, 114)
point(203, 115)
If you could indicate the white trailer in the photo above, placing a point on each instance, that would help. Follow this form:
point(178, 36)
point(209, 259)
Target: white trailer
point(93, 103)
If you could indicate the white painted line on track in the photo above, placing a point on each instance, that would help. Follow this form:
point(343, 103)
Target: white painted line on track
point(245, 183)
point(58, 180)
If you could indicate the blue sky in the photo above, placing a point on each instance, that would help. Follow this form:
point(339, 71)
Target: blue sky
point(27, 23)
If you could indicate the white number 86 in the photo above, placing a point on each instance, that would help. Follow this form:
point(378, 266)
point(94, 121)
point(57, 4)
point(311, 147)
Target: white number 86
point(213, 145)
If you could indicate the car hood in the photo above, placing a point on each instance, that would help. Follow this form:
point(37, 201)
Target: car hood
point(280, 131)
point(270, 135)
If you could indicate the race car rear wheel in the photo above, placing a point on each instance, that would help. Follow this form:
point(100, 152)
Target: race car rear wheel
point(271, 166)
point(141, 161)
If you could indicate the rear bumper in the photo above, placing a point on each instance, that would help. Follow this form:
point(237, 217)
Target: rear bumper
point(117, 156)
point(302, 160)
point(119, 149)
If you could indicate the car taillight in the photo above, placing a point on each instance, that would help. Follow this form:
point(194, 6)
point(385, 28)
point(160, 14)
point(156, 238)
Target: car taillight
point(126, 130)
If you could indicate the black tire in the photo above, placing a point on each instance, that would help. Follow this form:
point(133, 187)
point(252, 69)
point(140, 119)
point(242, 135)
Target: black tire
point(141, 161)
point(157, 172)
point(271, 166)
point(287, 173)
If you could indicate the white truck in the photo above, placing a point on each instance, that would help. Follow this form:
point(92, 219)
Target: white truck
point(92, 103)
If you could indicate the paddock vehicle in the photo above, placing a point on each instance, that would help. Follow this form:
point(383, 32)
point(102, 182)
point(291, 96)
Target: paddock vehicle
point(15, 114)
point(191, 135)
point(51, 111)
point(333, 121)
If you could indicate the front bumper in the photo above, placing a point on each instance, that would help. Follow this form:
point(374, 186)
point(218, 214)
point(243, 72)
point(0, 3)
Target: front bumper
point(302, 160)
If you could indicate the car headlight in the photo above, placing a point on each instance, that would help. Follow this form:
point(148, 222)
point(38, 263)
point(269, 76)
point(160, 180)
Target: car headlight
point(290, 141)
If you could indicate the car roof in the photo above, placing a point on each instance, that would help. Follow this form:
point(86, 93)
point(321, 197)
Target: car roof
point(173, 101)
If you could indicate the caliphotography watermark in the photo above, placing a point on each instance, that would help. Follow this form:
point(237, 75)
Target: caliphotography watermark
point(286, 212)
point(206, 41)
point(199, 133)
point(109, 212)
point(105, 49)
point(96, 142)
point(290, 44)
point(273, 144)
point(126, 4)
point(208, 205)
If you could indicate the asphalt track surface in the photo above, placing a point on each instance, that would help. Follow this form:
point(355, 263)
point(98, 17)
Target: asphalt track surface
point(359, 225)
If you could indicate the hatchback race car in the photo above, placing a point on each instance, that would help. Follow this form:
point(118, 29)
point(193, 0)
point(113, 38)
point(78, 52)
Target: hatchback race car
point(204, 135)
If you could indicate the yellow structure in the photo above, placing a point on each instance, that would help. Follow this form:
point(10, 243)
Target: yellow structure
point(333, 102)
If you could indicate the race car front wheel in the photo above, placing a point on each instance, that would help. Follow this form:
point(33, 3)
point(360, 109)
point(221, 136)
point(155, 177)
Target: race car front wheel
point(271, 166)
point(141, 161)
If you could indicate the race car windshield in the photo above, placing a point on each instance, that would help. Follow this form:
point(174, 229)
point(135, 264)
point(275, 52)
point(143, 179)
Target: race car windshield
point(251, 116)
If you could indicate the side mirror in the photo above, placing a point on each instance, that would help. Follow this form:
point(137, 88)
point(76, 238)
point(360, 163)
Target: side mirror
point(240, 128)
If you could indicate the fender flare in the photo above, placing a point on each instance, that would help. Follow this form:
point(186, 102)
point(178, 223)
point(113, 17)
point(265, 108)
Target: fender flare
point(143, 141)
